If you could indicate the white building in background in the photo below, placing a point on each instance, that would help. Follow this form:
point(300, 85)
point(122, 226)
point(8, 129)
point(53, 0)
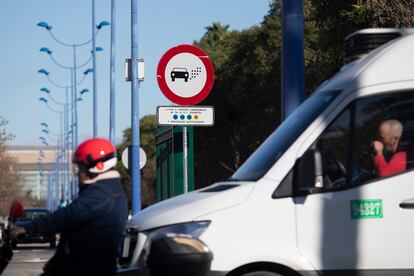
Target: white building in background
point(35, 174)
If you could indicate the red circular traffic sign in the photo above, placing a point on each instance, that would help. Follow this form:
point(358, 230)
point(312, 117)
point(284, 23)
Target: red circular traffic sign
point(185, 75)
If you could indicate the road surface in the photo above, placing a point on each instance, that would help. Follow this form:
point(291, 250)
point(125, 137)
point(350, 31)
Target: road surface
point(28, 260)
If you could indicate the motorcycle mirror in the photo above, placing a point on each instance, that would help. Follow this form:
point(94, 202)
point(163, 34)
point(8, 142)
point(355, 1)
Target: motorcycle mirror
point(16, 210)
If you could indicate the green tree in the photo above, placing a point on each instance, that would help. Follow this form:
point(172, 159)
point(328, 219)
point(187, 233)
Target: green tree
point(147, 143)
point(247, 88)
point(246, 95)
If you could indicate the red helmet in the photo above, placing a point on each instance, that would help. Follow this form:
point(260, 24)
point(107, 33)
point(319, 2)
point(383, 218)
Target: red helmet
point(97, 154)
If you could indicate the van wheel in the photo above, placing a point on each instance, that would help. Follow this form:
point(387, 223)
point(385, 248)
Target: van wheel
point(262, 273)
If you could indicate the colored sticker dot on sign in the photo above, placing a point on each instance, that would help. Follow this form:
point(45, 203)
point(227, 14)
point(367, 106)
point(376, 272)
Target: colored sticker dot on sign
point(182, 117)
point(175, 117)
point(196, 117)
point(189, 117)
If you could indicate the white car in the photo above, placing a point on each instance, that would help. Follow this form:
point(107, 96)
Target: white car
point(309, 200)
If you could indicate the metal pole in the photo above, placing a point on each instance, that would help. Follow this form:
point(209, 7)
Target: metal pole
point(67, 145)
point(75, 96)
point(73, 126)
point(185, 160)
point(292, 56)
point(136, 174)
point(51, 194)
point(49, 191)
point(57, 170)
point(112, 77)
point(61, 165)
point(65, 149)
point(95, 96)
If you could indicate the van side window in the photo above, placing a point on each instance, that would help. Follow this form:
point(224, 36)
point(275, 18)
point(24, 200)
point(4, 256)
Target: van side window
point(333, 145)
point(379, 120)
point(371, 139)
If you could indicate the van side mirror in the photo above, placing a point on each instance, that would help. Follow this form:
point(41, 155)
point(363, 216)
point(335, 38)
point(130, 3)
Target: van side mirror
point(308, 172)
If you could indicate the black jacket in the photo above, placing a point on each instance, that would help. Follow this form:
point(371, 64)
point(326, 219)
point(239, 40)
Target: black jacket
point(91, 228)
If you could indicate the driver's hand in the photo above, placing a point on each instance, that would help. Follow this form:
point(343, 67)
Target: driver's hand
point(16, 231)
point(379, 147)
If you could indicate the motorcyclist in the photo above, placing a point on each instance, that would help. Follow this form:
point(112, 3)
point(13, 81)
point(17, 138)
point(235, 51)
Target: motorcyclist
point(91, 227)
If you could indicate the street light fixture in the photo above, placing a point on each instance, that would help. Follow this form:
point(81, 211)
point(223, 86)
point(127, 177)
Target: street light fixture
point(102, 24)
point(97, 49)
point(84, 91)
point(87, 71)
point(44, 89)
point(43, 71)
point(46, 50)
point(43, 99)
point(44, 25)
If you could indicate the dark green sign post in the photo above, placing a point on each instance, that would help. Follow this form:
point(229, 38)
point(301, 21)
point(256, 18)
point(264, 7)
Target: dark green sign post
point(169, 152)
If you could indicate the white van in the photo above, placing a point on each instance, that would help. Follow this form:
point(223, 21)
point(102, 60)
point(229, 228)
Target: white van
point(309, 200)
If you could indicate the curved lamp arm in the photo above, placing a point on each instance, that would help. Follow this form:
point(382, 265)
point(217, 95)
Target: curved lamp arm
point(48, 27)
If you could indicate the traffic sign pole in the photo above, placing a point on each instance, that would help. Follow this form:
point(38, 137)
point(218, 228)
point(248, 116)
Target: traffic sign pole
point(185, 159)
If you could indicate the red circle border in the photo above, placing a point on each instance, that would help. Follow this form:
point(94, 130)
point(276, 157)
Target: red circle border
point(200, 96)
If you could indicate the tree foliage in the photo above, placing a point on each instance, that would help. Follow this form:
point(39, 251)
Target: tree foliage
point(9, 178)
point(247, 89)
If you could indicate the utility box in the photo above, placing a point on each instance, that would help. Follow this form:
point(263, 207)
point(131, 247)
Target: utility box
point(170, 163)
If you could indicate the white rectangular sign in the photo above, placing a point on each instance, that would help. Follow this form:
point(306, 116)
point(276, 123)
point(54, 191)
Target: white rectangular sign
point(185, 115)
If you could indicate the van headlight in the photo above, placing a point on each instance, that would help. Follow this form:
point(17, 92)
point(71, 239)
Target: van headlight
point(193, 229)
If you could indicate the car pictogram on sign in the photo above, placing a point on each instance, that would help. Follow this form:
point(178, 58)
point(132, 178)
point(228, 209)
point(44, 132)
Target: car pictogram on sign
point(179, 73)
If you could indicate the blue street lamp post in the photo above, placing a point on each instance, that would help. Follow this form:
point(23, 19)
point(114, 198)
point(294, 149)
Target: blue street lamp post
point(112, 77)
point(136, 174)
point(292, 56)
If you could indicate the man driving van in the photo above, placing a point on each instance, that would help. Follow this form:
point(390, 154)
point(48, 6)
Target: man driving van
point(388, 160)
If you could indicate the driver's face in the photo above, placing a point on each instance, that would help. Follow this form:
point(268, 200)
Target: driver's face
point(389, 140)
point(384, 133)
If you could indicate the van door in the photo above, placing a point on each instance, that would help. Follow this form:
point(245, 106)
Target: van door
point(362, 218)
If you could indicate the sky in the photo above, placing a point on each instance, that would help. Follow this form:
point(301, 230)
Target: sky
point(162, 24)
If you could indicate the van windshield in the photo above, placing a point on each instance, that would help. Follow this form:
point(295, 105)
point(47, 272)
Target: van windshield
point(280, 140)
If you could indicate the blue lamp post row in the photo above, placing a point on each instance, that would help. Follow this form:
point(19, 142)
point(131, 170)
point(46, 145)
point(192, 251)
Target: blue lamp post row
point(69, 136)
point(95, 49)
point(62, 162)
